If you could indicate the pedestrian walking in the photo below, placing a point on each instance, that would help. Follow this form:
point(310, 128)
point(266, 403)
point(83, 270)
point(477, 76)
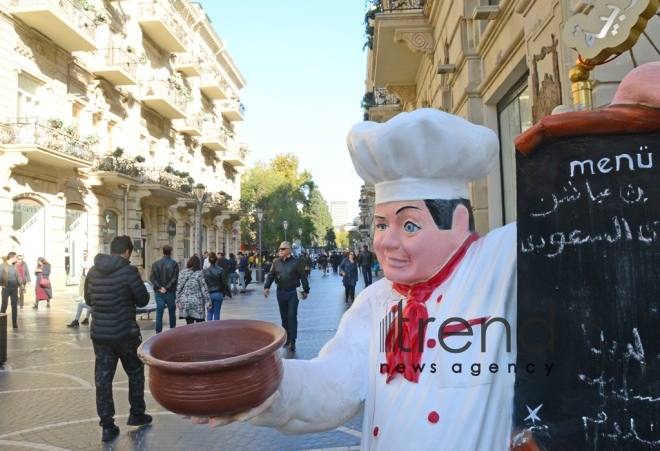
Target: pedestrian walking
point(242, 266)
point(85, 265)
point(192, 294)
point(348, 269)
point(366, 261)
point(233, 273)
point(43, 288)
point(223, 263)
point(114, 289)
point(10, 285)
point(24, 278)
point(164, 277)
point(216, 282)
point(288, 274)
point(323, 263)
point(335, 260)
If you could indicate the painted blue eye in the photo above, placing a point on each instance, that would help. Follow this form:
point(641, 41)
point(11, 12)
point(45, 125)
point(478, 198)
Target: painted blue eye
point(411, 227)
point(381, 227)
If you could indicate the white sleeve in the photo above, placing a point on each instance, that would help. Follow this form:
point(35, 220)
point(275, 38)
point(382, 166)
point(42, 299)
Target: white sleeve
point(323, 393)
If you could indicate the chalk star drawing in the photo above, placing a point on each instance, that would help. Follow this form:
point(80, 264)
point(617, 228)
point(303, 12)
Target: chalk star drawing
point(532, 413)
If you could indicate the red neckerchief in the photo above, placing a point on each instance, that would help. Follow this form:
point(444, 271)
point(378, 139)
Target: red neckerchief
point(415, 311)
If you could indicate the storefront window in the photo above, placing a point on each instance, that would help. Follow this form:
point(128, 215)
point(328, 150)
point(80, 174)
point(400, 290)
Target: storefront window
point(30, 230)
point(108, 230)
point(75, 241)
point(514, 117)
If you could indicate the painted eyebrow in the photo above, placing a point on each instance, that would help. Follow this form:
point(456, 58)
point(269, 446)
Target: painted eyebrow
point(408, 206)
point(379, 217)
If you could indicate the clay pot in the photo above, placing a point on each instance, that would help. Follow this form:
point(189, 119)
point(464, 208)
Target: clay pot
point(214, 367)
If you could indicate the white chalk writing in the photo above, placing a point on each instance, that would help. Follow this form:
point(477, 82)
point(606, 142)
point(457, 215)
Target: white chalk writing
point(604, 165)
point(557, 242)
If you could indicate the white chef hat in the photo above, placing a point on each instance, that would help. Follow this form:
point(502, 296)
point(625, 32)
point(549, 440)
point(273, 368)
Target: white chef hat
point(425, 154)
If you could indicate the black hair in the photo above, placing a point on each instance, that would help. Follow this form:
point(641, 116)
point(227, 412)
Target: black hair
point(121, 244)
point(167, 250)
point(442, 211)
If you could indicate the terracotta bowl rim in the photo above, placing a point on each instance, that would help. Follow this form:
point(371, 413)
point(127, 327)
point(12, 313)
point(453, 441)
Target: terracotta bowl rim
point(278, 333)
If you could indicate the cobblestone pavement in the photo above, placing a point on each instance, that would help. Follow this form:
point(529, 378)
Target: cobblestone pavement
point(47, 398)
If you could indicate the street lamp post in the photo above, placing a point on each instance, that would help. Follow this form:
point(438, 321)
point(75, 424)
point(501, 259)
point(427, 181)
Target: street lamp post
point(300, 235)
point(199, 194)
point(285, 224)
point(311, 240)
point(260, 217)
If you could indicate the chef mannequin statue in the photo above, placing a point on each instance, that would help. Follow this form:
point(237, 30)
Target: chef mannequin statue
point(429, 351)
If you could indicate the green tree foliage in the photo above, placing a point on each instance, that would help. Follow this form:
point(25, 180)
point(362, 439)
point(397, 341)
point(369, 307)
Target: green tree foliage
point(318, 214)
point(283, 192)
point(330, 238)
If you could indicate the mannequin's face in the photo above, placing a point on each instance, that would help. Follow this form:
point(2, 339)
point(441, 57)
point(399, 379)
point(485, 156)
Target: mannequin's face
point(408, 243)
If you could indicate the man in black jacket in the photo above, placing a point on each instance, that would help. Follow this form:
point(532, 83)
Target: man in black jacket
point(366, 261)
point(223, 263)
point(113, 289)
point(288, 273)
point(164, 277)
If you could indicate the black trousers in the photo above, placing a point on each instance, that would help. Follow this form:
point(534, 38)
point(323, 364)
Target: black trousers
point(349, 292)
point(10, 293)
point(288, 303)
point(107, 354)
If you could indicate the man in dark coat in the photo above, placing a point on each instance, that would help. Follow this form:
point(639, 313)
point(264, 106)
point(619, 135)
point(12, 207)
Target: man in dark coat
point(366, 261)
point(10, 282)
point(164, 278)
point(113, 289)
point(288, 273)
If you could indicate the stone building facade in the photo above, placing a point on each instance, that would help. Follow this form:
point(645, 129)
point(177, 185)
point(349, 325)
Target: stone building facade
point(111, 112)
point(498, 63)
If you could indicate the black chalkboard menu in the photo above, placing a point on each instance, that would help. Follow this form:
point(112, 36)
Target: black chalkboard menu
point(588, 354)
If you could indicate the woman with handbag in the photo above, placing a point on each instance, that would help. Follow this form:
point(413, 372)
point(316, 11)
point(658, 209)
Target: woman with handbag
point(348, 269)
point(192, 294)
point(43, 288)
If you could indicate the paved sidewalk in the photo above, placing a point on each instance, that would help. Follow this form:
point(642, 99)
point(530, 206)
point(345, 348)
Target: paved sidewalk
point(47, 398)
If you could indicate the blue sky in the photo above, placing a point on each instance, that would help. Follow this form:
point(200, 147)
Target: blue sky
point(305, 71)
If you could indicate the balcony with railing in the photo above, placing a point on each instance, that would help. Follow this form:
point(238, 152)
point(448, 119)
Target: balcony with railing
point(192, 125)
point(115, 65)
point(158, 21)
point(381, 105)
point(404, 5)
point(164, 180)
point(236, 156)
point(399, 36)
point(212, 85)
point(188, 63)
point(64, 22)
point(233, 110)
point(166, 99)
point(214, 138)
point(45, 144)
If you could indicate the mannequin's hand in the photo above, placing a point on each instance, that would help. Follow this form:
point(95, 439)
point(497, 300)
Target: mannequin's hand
point(245, 415)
